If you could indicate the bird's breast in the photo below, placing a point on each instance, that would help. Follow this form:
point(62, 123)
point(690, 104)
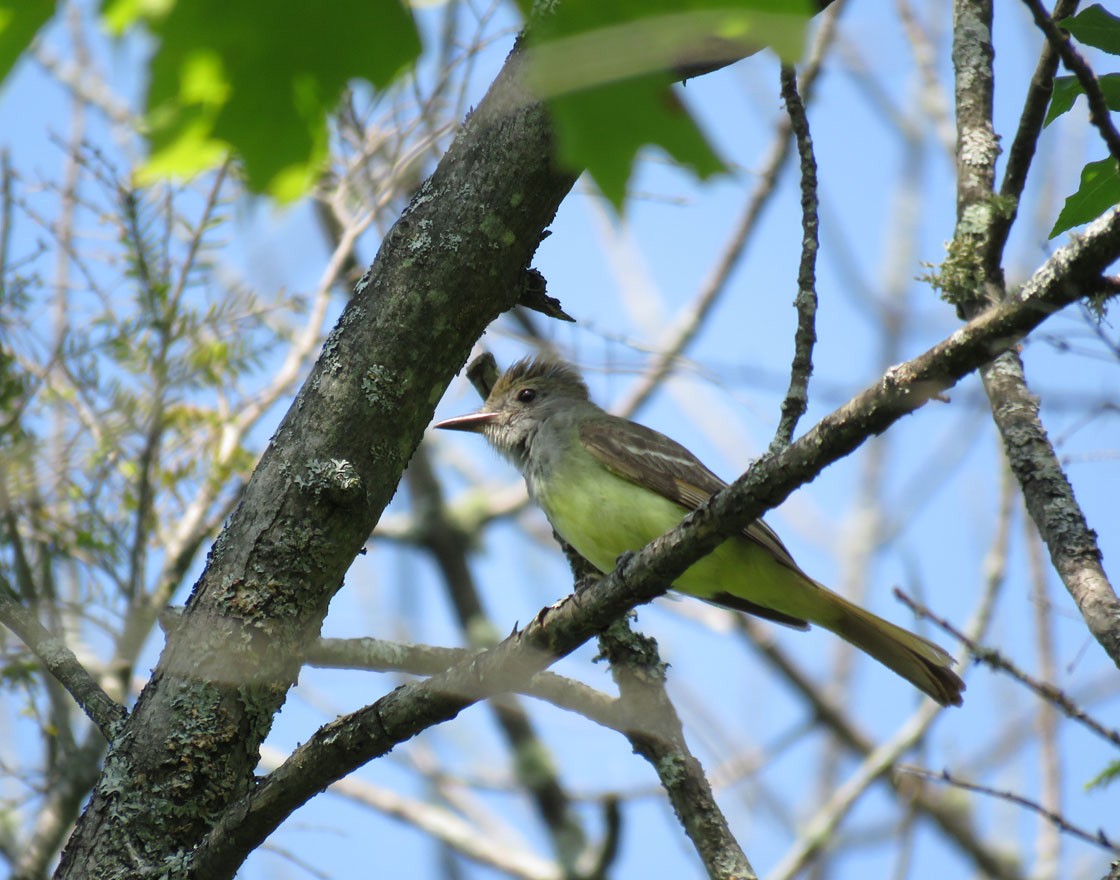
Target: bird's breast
point(600, 514)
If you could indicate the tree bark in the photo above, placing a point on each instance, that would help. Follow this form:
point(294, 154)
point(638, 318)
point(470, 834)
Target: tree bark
point(453, 262)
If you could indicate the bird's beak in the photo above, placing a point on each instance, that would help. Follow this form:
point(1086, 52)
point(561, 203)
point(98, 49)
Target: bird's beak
point(473, 422)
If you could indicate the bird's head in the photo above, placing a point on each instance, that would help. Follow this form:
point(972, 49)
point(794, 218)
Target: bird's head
point(525, 395)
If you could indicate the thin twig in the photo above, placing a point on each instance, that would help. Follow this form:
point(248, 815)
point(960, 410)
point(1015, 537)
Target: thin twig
point(1098, 839)
point(1099, 114)
point(797, 397)
point(991, 657)
point(690, 321)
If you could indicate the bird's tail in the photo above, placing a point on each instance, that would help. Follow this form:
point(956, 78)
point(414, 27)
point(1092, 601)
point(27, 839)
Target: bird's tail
point(922, 663)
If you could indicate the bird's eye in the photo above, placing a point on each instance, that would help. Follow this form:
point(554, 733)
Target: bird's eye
point(527, 395)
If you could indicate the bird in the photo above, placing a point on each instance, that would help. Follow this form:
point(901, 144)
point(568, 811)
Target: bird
point(609, 486)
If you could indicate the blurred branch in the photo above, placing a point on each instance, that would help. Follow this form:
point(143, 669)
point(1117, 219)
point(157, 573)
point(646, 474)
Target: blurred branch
point(70, 785)
point(1048, 846)
point(993, 658)
point(952, 817)
point(797, 397)
point(933, 102)
point(882, 759)
point(1099, 838)
point(85, 85)
point(380, 655)
point(820, 831)
point(61, 663)
point(444, 825)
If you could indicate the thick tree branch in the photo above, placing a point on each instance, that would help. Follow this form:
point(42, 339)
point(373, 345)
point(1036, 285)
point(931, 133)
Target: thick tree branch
point(1049, 496)
point(1072, 544)
point(352, 740)
point(452, 263)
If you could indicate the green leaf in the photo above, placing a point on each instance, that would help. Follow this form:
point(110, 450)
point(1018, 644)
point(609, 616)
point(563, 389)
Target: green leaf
point(602, 130)
point(1095, 27)
point(1067, 88)
point(259, 77)
point(1099, 191)
point(1105, 778)
point(20, 21)
point(605, 70)
point(119, 15)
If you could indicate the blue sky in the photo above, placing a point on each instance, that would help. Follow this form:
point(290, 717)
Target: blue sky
point(885, 213)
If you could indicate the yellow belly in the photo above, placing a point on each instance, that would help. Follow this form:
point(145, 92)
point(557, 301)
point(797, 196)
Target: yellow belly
point(608, 516)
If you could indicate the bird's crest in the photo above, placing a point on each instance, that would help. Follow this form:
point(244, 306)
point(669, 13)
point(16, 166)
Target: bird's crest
point(556, 373)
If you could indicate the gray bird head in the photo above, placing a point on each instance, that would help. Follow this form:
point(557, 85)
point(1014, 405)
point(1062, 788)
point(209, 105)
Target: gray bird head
point(524, 396)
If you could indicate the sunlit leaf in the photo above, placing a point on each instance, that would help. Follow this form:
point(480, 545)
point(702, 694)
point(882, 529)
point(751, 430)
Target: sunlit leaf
point(1096, 27)
point(605, 70)
point(259, 77)
point(603, 129)
point(1067, 88)
point(1099, 191)
point(119, 15)
point(20, 21)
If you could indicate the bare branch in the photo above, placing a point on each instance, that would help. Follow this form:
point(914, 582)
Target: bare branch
point(797, 397)
point(654, 730)
point(991, 657)
point(61, 663)
point(1098, 839)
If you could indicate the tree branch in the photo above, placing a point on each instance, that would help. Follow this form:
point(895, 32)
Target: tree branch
point(1049, 496)
point(1098, 839)
point(61, 663)
point(797, 397)
point(451, 264)
point(654, 730)
point(1099, 114)
point(352, 740)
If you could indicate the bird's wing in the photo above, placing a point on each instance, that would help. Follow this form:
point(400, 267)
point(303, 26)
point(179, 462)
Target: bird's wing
point(651, 459)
